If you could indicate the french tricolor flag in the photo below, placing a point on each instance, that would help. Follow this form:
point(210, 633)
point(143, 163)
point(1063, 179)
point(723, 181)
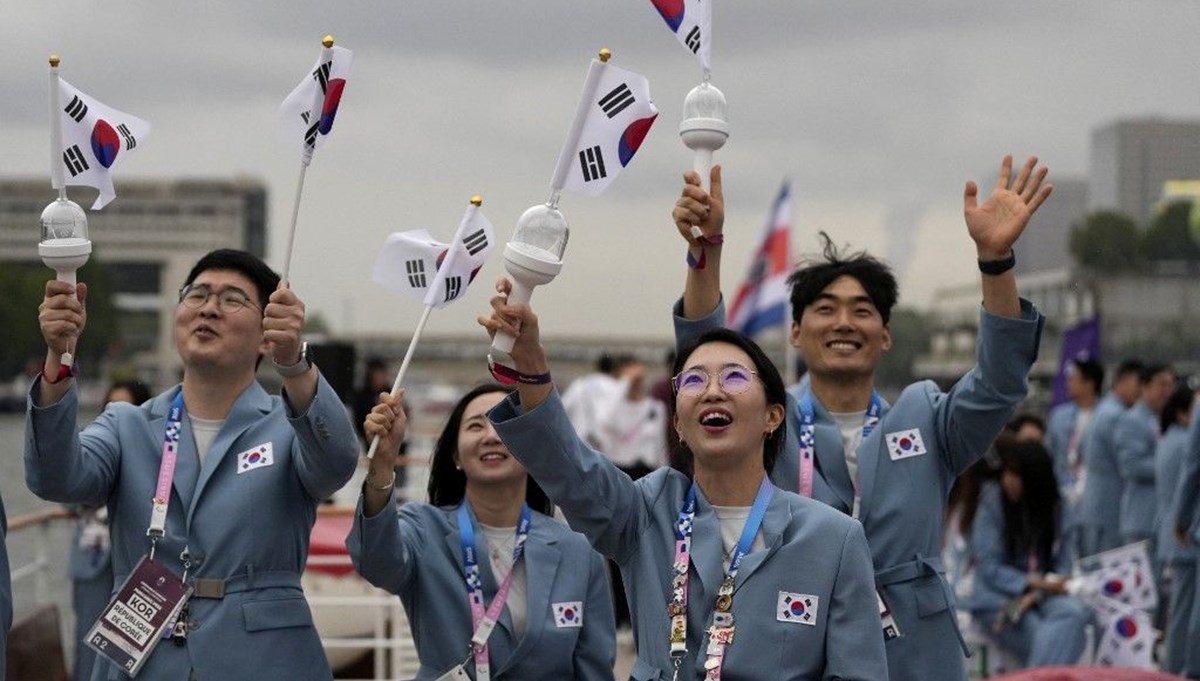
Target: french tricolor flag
point(762, 301)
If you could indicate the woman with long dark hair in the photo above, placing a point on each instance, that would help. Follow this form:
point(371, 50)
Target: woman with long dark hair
point(482, 567)
point(1022, 560)
point(726, 575)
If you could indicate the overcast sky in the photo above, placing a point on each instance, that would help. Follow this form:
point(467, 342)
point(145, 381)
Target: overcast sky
point(876, 111)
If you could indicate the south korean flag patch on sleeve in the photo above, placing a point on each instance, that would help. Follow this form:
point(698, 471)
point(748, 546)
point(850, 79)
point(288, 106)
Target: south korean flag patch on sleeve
point(258, 456)
point(797, 608)
point(904, 444)
point(568, 614)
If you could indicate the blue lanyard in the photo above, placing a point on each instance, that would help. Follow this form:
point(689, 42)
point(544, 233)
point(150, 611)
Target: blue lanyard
point(722, 616)
point(808, 437)
point(485, 621)
point(466, 533)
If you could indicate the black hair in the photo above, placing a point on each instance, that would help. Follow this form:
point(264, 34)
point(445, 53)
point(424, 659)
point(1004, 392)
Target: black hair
point(137, 390)
point(447, 484)
point(1090, 371)
point(1031, 525)
point(1179, 403)
point(264, 278)
point(1022, 420)
point(772, 385)
point(1149, 371)
point(605, 363)
point(815, 276)
point(1128, 366)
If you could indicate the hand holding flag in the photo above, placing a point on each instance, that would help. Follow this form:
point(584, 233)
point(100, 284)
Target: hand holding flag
point(88, 138)
point(437, 274)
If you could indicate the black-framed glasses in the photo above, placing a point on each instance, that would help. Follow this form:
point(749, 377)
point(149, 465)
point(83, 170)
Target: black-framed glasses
point(731, 378)
point(229, 300)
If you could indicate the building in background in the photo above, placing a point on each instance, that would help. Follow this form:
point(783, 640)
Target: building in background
point(1045, 244)
point(1132, 159)
point(148, 238)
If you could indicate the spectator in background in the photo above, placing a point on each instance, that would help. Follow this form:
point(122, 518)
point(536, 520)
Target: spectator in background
point(1027, 428)
point(91, 555)
point(1136, 438)
point(663, 392)
point(1099, 507)
point(629, 426)
point(1068, 422)
point(582, 397)
point(1021, 562)
point(377, 378)
point(1178, 561)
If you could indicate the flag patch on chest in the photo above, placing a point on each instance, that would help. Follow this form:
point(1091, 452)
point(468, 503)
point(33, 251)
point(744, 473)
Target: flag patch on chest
point(797, 608)
point(568, 614)
point(258, 456)
point(903, 444)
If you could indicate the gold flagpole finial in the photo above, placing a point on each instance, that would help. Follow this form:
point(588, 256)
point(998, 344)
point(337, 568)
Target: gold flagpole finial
point(477, 200)
point(327, 41)
point(605, 55)
point(54, 61)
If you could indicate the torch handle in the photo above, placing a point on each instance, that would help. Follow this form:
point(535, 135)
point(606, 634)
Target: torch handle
point(68, 276)
point(702, 164)
point(519, 295)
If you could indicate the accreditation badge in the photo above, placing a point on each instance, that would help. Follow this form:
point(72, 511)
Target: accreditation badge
point(455, 674)
point(133, 623)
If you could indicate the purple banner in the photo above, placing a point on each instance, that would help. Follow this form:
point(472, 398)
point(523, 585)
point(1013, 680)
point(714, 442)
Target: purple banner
point(1082, 342)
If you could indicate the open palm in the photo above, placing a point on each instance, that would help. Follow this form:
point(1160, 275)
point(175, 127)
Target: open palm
point(997, 223)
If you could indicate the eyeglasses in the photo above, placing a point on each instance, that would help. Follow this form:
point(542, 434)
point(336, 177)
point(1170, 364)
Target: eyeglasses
point(229, 300)
point(733, 379)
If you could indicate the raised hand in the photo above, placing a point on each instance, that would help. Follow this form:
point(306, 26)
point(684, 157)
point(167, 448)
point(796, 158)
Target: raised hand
point(62, 316)
point(695, 207)
point(519, 321)
point(283, 321)
point(997, 223)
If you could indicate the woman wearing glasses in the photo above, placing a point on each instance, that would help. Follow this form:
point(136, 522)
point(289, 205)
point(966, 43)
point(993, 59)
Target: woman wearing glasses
point(482, 551)
point(728, 577)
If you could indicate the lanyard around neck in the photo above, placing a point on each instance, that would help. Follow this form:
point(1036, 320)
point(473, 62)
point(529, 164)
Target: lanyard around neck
point(721, 632)
point(808, 437)
point(485, 620)
point(166, 473)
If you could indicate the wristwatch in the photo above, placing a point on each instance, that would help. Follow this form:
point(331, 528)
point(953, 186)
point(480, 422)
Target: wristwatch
point(302, 365)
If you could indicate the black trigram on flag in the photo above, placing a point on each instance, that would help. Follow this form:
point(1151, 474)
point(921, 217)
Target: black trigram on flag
point(453, 288)
point(415, 269)
point(310, 134)
point(76, 109)
point(616, 101)
point(130, 140)
point(75, 161)
point(321, 75)
point(475, 242)
point(592, 163)
point(693, 39)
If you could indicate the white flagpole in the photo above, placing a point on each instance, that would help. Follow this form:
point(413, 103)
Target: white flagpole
point(57, 178)
point(314, 116)
point(412, 346)
point(566, 156)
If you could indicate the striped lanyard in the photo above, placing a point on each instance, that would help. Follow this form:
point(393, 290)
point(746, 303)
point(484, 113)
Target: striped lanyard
point(485, 621)
point(720, 634)
point(166, 473)
point(808, 440)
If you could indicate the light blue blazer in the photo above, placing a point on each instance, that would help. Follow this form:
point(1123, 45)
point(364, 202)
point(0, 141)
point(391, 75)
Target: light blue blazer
point(1100, 505)
point(1169, 462)
point(1187, 514)
point(810, 550)
point(250, 529)
point(1060, 423)
point(999, 577)
point(904, 499)
point(419, 559)
point(1136, 439)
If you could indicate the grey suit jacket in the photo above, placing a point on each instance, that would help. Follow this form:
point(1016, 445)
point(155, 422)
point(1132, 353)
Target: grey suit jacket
point(250, 528)
point(418, 556)
point(1059, 425)
point(904, 497)
point(1136, 439)
point(810, 550)
point(1100, 505)
point(1187, 515)
point(1169, 460)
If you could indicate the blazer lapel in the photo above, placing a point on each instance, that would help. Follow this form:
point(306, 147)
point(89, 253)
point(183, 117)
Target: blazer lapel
point(251, 405)
point(708, 554)
point(774, 522)
point(187, 465)
point(831, 456)
point(541, 560)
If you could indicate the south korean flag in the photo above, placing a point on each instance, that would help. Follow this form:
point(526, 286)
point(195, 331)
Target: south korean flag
point(435, 273)
point(259, 456)
point(616, 118)
point(797, 608)
point(568, 615)
point(905, 444)
point(95, 138)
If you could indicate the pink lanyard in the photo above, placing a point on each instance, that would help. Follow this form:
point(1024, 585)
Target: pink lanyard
point(808, 439)
point(485, 621)
point(166, 473)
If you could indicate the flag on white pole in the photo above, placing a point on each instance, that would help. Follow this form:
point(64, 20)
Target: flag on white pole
point(617, 114)
point(95, 138)
point(691, 22)
point(307, 113)
point(435, 273)
point(1128, 641)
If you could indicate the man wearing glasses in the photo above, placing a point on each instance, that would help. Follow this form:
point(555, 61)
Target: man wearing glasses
point(214, 479)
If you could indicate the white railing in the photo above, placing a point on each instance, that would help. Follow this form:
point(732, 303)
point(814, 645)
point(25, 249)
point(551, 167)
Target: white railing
point(38, 568)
